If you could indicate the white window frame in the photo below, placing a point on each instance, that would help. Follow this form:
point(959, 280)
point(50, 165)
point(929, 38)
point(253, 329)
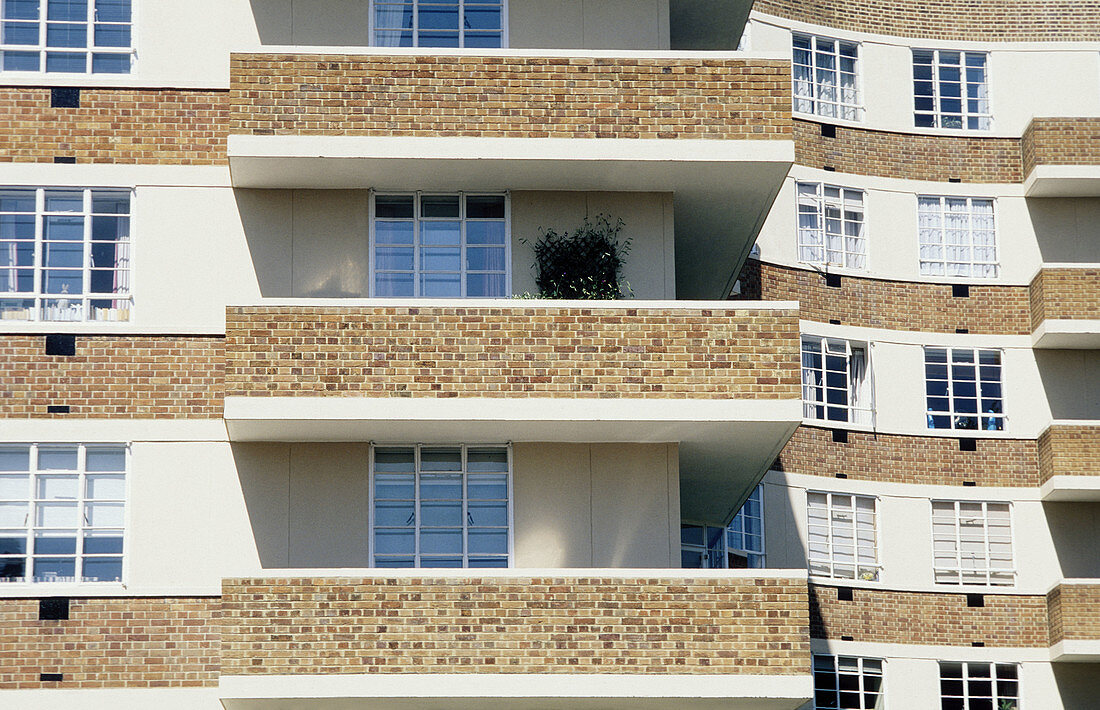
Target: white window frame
point(860, 672)
point(993, 679)
point(461, 32)
point(937, 114)
point(970, 268)
point(38, 295)
point(417, 448)
point(832, 206)
point(835, 109)
point(719, 557)
point(955, 417)
point(975, 568)
point(831, 563)
point(88, 50)
point(417, 220)
point(832, 349)
point(33, 501)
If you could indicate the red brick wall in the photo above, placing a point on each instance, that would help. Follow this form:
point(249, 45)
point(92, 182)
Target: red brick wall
point(146, 126)
point(923, 460)
point(879, 616)
point(897, 305)
point(516, 351)
point(978, 20)
point(515, 625)
point(111, 643)
point(141, 377)
point(862, 151)
point(513, 97)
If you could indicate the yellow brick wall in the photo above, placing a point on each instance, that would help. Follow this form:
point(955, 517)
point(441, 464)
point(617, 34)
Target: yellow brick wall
point(1065, 294)
point(1069, 450)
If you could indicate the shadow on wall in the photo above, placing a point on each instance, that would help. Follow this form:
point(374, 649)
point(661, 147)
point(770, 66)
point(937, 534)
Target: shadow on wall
point(1078, 685)
point(1075, 528)
point(1071, 379)
point(312, 22)
point(1066, 229)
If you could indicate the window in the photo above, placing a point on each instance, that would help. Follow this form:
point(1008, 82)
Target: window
point(836, 381)
point(847, 683)
point(66, 36)
point(826, 77)
point(61, 512)
point(979, 686)
point(740, 546)
point(64, 254)
point(440, 245)
point(439, 23)
point(958, 237)
point(951, 89)
point(843, 537)
point(964, 389)
point(972, 542)
point(441, 506)
point(830, 226)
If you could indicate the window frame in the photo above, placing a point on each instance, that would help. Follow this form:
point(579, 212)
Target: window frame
point(416, 245)
point(417, 448)
point(958, 570)
point(993, 679)
point(39, 268)
point(831, 562)
point(858, 108)
point(88, 50)
point(834, 659)
point(504, 34)
point(859, 415)
point(946, 263)
point(951, 414)
point(82, 499)
point(822, 203)
point(937, 113)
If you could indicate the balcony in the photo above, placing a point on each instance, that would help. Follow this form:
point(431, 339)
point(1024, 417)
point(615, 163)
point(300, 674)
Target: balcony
point(712, 129)
point(1074, 611)
point(1061, 157)
point(1069, 461)
point(720, 379)
point(1065, 307)
point(517, 639)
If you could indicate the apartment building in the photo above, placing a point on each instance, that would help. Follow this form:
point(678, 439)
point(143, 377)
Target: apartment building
point(277, 430)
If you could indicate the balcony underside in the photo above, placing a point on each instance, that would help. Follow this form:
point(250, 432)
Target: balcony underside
point(1067, 335)
point(723, 189)
point(725, 445)
point(515, 692)
point(1063, 181)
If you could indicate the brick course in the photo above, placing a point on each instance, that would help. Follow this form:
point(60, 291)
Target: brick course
point(862, 151)
point(927, 618)
point(1061, 141)
point(897, 305)
point(1065, 294)
point(111, 643)
point(520, 351)
point(1074, 612)
point(141, 377)
point(980, 20)
point(143, 126)
point(1069, 450)
point(513, 97)
point(923, 460)
point(515, 625)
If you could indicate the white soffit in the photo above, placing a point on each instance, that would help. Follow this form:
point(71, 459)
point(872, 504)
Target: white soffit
point(1063, 181)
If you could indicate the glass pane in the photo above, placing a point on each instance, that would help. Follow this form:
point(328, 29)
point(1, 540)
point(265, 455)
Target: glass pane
point(13, 515)
point(15, 458)
point(394, 513)
point(436, 486)
point(104, 515)
point(102, 569)
point(485, 207)
point(105, 459)
point(57, 515)
point(487, 486)
point(14, 486)
point(48, 569)
point(13, 542)
point(61, 542)
point(449, 459)
point(441, 514)
point(478, 233)
point(394, 486)
point(112, 10)
point(488, 513)
point(435, 541)
point(394, 541)
point(57, 488)
point(103, 542)
point(488, 541)
point(486, 460)
point(57, 458)
point(393, 206)
point(439, 206)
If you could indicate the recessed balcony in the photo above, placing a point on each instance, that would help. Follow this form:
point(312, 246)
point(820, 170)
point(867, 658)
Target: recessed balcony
point(1074, 611)
point(719, 378)
point(712, 129)
point(1065, 307)
point(517, 639)
point(1069, 461)
point(1061, 157)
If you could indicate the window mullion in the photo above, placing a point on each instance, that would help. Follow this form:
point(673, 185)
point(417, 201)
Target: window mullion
point(465, 509)
point(416, 506)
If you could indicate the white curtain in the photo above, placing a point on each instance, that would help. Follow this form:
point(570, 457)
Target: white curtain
point(930, 223)
point(389, 23)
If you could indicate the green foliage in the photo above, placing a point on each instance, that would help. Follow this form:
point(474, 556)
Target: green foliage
point(586, 263)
